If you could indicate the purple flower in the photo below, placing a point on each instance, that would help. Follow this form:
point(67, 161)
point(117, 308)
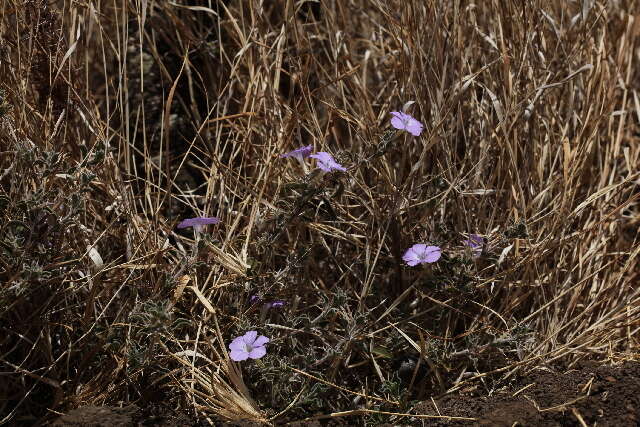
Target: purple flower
point(299, 153)
point(198, 222)
point(326, 162)
point(404, 121)
point(276, 304)
point(250, 345)
point(421, 253)
point(474, 242)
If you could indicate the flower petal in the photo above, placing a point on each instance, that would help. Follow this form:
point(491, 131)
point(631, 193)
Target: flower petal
point(419, 248)
point(404, 121)
point(475, 243)
point(260, 341)
point(192, 222)
point(414, 127)
point(421, 253)
point(257, 352)
point(322, 156)
point(432, 254)
point(239, 356)
point(410, 256)
point(477, 240)
point(238, 344)
point(397, 121)
point(250, 337)
point(301, 152)
point(326, 162)
point(413, 255)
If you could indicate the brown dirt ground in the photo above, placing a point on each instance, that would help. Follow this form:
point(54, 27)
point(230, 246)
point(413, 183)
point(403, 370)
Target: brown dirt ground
point(108, 416)
point(588, 395)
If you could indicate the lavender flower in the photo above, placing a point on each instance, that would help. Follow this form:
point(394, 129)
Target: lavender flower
point(249, 345)
point(326, 162)
point(421, 253)
point(476, 243)
point(276, 304)
point(299, 153)
point(404, 121)
point(198, 222)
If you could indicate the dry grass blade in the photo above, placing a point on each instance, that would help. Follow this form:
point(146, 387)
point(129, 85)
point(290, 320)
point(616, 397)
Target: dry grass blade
point(120, 119)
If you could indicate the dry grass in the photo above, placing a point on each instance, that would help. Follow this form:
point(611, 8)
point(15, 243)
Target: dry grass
point(121, 118)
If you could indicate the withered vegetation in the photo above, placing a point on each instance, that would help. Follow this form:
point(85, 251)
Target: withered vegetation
point(121, 118)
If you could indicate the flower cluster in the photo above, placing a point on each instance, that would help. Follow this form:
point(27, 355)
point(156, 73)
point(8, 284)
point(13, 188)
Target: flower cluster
point(419, 253)
point(252, 346)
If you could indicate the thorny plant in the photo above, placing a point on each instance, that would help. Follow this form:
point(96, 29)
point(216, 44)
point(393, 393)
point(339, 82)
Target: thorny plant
point(119, 120)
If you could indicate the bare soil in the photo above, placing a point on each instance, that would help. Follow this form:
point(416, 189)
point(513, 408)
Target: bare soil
point(108, 416)
point(588, 395)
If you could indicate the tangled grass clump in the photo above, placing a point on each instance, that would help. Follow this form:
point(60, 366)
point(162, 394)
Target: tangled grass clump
point(503, 135)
